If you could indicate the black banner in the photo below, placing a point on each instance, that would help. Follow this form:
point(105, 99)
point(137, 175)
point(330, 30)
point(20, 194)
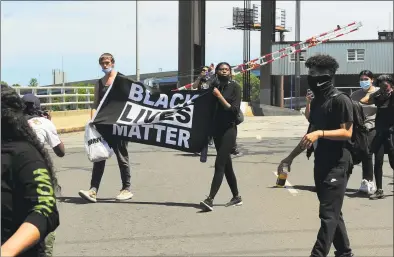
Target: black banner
point(178, 120)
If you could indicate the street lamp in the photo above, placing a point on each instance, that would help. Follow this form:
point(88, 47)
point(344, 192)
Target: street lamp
point(137, 69)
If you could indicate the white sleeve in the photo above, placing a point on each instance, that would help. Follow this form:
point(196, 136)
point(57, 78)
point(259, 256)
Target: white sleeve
point(52, 138)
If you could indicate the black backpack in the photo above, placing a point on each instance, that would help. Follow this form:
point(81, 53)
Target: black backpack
point(358, 144)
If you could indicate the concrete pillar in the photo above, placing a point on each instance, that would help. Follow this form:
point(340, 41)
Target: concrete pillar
point(191, 39)
point(267, 38)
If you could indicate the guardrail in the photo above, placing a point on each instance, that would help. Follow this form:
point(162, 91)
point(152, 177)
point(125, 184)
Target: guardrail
point(48, 93)
point(79, 96)
point(290, 102)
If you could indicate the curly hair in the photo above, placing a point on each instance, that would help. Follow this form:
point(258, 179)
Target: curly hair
point(323, 61)
point(15, 127)
point(385, 78)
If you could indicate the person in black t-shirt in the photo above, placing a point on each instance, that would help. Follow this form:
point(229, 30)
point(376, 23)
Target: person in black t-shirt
point(228, 93)
point(28, 183)
point(383, 141)
point(331, 120)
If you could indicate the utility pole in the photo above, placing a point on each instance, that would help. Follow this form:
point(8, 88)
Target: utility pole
point(62, 73)
point(137, 68)
point(297, 55)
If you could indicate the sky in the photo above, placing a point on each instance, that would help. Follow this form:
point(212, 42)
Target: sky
point(37, 37)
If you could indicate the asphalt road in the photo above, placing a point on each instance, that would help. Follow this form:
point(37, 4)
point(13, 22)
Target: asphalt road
point(164, 218)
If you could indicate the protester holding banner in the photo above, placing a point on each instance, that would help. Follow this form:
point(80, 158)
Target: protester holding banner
point(107, 63)
point(228, 94)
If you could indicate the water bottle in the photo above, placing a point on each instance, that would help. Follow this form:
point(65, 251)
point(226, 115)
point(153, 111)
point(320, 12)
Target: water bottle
point(282, 176)
point(204, 154)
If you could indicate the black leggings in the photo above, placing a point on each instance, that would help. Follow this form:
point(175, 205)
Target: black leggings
point(367, 163)
point(223, 165)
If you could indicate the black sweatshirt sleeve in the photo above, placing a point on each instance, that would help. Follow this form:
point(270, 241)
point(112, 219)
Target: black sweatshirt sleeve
point(235, 100)
point(38, 195)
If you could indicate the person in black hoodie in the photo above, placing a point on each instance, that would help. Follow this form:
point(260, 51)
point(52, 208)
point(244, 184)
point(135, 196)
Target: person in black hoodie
point(383, 141)
point(28, 183)
point(228, 93)
point(331, 122)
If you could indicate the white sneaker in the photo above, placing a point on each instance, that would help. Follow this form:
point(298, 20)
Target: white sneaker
point(371, 187)
point(364, 186)
point(89, 195)
point(124, 195)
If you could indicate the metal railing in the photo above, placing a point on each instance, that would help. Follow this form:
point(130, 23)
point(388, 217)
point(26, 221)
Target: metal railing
point(289, 102)
point(49, 94)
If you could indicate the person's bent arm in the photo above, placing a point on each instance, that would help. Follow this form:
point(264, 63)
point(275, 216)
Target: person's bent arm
point(42, 216)
point(307, 109)
point(235, 105)
point(370, 98)
point(59, 150)
point(53, 139)
point(342, 134)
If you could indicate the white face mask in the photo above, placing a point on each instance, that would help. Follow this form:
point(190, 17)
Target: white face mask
point(107, 70)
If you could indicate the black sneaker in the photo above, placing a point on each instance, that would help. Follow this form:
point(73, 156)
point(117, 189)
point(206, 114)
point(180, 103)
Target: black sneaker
point(343, 254)
point(377, 195)
point(235, 201)
point(207, 204)
point(236, 153)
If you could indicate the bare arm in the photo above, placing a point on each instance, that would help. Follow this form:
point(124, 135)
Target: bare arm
point(307, 109)
point(25, 237)
point(59, 150)
point(298, 149)
point(367, 99)
point(96, 97)
point(342, 134)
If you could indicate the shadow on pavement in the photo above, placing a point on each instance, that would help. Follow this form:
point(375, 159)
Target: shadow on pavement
point(312, 188)
point(78, 200)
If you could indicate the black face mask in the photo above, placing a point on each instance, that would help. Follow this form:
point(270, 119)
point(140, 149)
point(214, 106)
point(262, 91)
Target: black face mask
point(318, 84)
point(223, 78)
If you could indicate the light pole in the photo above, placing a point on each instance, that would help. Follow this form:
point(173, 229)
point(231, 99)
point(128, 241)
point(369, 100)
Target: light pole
point(137, 69)
point(297, 55)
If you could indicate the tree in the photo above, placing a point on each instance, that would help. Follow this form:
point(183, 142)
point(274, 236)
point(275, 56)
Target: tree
point(16, 85)
point(4, 83)
point(33, 82)
point(254, 85)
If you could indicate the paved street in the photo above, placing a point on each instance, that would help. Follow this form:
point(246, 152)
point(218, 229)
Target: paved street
point(164, 219)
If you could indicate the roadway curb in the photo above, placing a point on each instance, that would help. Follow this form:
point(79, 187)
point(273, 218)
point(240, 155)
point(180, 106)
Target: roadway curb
point(70, 130)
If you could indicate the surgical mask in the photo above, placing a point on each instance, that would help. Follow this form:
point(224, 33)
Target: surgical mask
point(107, 70)
point(365, 84)
point(318, 83)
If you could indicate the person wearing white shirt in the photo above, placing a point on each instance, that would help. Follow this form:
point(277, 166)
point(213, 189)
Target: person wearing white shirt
point(41, 123)
point(46, 133)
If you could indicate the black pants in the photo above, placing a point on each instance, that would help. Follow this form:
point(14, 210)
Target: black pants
point(224, 143)
point(331, 185)
point(380, 147)
point(120, 150)
point(367, 163)
point(235, 148)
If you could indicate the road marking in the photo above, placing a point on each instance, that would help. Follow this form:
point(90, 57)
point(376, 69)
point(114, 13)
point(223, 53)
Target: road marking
point(288, 186)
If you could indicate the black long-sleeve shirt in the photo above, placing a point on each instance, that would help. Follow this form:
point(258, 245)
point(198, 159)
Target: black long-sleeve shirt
point(226, 118)
point(27, 193)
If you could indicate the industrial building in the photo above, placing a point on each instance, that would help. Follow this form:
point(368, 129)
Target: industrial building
point(353, 56)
